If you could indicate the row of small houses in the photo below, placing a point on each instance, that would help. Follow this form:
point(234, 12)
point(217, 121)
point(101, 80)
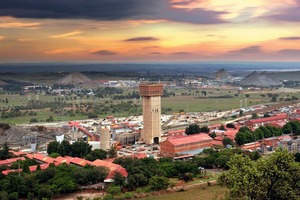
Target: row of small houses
point(45, 162)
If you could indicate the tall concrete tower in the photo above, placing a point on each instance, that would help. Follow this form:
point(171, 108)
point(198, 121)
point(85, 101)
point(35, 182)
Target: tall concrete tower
point(151, 94)
point(104, 138)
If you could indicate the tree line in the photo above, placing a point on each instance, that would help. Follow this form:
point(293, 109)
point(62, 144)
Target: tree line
point(245, 135)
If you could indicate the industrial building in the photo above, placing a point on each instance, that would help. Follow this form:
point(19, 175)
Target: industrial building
point(151, 94)
point(192, 144)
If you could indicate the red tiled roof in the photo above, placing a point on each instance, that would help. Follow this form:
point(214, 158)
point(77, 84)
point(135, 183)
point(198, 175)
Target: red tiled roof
point(62, 160)
point(251, 145)
point(189, 139)
point(139, 155)
point(80, 161)
point(284, 137)
point(231, 132)
point(268, 119)
point(217, 143)
point(28, 155)
point(6, 172)
point(109, 165)
point(34, 167)
point(174, 132)
point(10, 161)
point(219, 138)
point(41, 157)
point(18, 153)
point(121, 170)
point(77, 124)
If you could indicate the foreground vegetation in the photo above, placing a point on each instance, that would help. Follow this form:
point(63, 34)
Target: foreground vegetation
point(273, 177)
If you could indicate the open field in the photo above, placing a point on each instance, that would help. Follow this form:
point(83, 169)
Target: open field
point(204, 192)
point(192, 101)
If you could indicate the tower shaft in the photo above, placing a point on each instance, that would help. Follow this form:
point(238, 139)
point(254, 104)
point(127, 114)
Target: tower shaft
point(151, 94)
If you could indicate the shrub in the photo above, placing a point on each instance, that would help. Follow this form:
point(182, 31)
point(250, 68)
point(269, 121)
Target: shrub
point(128, 195)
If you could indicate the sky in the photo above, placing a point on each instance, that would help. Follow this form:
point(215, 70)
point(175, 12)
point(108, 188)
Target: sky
point(149, 30)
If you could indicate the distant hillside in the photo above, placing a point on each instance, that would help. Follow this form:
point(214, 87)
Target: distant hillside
point(285, 76)
point(259, 80)
point(74, 78)
point(222, 74)
point(2, 83)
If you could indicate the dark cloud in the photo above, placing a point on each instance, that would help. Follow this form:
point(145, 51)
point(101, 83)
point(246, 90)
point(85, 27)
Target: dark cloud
point(183, 3)
point(247, 50)
point(106, 10)
point(181, 53)
point(137, 39)
point(151, 47)
point(291, 14)
point(76, 9)
point(290, 52)
point(289, 38)
point(104, 53)
point(156, 53)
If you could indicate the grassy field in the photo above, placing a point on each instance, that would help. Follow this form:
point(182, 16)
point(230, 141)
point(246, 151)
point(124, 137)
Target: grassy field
point(194, 101)
point(196, 193)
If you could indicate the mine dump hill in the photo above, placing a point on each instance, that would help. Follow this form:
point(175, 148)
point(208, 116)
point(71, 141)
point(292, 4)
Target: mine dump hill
point(285, 76)
point(12, 134)
point(222, 74)
point(2, 83)
point(259, 80)
point(74, 78)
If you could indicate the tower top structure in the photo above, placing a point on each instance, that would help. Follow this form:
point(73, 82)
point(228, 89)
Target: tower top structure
point(151, 89)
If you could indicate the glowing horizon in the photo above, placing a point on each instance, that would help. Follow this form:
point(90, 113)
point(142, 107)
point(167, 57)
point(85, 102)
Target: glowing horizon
point(150, 31)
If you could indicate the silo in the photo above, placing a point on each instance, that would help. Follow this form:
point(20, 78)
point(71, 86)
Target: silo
point(104, 138)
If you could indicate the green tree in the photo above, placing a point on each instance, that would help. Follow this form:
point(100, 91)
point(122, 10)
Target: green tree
point(80, 149)
point(97, 154)
point(119, 179)
point(254, 116)
point(34, 120)
point(50, 119)
point(222, 127)
point(114, 190)
point(273, 99)
point(112, 152)
point(274, 177)
point(222, 161)
point(287, 128)
point(4, 152)
point(204, 129)
point(136, 180)
point(213, 135)
point(65, 148)
point(54, 155)
point(4, 195)
point(108, 197)
point(45, 192)
point(53, 147)
point(158, 183)
point(227, 141)
point(230, 125)
point(241, 113)
point(128, 195)
point(192, 129)
point(14, 196)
